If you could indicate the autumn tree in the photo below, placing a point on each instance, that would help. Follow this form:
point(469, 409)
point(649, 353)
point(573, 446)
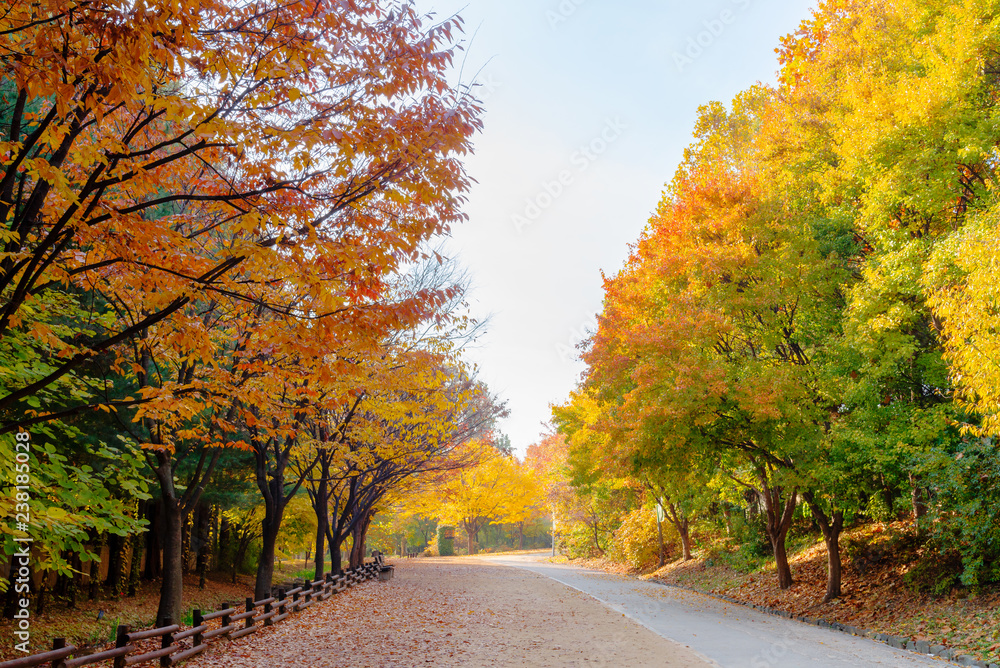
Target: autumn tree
point(812, 295)
point(251, 127)
point(210, 167)
point(494, 489)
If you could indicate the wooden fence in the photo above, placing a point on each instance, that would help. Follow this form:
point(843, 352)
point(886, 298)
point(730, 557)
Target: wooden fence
point(177, 645)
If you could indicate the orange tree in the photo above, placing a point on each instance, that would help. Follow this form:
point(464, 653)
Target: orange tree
point(175, 148)
point(235, 183)
point(712, 345)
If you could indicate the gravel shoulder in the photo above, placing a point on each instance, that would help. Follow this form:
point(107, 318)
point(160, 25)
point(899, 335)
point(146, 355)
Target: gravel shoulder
point(455, 612)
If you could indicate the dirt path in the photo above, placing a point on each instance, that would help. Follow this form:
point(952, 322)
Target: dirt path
point(454, 612)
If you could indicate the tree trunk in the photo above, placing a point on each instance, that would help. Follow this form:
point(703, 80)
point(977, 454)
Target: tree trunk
point(203, 546)
point(359, 535)
point(834, 575)
point(271, 482)
point(918, 502)
point(173, 515)
point(172, 580)
point(62, 583)
point(94, 579)
point(779, 520)
point(888, 493)
point(520, 535)
point(685, 531)
point(185, 545)
point(9, 607)
point(152, 569)
point(74, 581)
point(116, 564)
point(682, 523)
point(321, 505)
point(216, 528)
point(335, 558)
point(336, 564)
point(832, 529)
point(353, 560)
point(781, 562)
point(137, 540)
point(595, 528)
point(225, 543)
point(271, 525)
point(43, 590)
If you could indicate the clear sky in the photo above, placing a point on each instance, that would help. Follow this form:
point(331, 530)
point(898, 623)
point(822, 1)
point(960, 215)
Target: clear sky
point(590, 104)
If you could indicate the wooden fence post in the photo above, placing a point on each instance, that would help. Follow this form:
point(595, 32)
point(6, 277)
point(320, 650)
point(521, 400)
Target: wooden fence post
point(121, 639)
point(196, 621)
point(58, 643)
point(168, 640)
point(249, 620)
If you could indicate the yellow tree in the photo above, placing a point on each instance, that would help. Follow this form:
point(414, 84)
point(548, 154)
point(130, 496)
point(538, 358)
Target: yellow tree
point(525, 499)
point(494, 489)
point(964, 295)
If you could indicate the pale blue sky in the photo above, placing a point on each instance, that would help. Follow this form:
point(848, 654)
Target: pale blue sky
point(590, 104)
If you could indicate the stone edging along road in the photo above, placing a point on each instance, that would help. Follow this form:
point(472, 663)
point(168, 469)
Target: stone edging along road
point(921, 647)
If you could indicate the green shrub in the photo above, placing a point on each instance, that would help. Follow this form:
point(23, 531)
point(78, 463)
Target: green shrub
point(877, 509)
point(578, 542)
point(445, 546)
point(751, 535)
point(935, 575)
point(965, 501)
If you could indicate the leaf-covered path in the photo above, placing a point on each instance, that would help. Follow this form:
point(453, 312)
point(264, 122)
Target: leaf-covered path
point(454, 612)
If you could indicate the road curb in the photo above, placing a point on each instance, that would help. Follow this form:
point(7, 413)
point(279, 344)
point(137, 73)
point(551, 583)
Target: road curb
point(921, 647)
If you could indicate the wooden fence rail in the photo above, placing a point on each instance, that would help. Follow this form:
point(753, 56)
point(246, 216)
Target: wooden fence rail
point(176, 645)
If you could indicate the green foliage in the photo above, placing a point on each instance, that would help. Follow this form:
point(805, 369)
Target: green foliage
point(751, 536)
point(445, 546)
point(935, 574)
point(70, 501)
point(966, 495)
point(577, 542)
point(298, 528)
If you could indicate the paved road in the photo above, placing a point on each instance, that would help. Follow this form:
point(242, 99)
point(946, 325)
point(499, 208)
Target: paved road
point(727, 635)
